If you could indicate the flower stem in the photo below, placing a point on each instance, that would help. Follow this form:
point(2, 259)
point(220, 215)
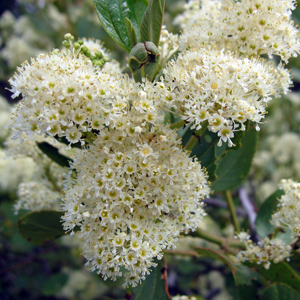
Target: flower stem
point(221, 241)
point(232, 211)
point(195, 137)
point(177, 124)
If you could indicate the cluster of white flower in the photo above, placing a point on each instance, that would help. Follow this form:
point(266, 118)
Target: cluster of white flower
point(220, 80)
point(213, 86)
point(265, 252)
point(196, 11)
point(36, 196)
point(168, 45)
point(13, 172)
point(287, 216)
point(134, 192)
point(20, 40)
point(65, 95)
point(133, 189)
point(42, 187)
point(279, 158)
point(248, 28)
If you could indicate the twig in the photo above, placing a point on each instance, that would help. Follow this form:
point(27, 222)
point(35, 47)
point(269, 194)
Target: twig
point(221, 241)
point(182, 252)
point(164, 276)
point(232, 210)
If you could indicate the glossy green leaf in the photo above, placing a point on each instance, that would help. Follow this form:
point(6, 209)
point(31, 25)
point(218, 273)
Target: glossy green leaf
point(262, 222)
point(152, 21)
point(248, 292)
point(204, 150)
point(282, 273)
point(279, 291)
point(53, 154)
point(112, 15)
point(135, 13)
point(235, 166)
point(153, 287)
point(41, 227)
point(132, 33)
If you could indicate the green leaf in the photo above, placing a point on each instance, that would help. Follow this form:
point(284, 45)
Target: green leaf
point(204, 150)
point(153, 288)
point(279, 291)
point(262, 223)
point(54, 284)
point(132, 33)
point(112, 15)
point(152, 21)
point(235, 166)
point(136, 12)
point(41, 227)
point(53, 154)
point(243, 275)
point(283, 273)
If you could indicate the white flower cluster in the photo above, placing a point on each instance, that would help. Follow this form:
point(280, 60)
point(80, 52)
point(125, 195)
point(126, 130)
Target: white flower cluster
point(220, 79)
point(279, 158)
point(42, 188)
point(265, 252)
point(248, 27)
point(135, 191)
point(286, 217)
point(168, 45)
point(288, 214)
point(13, 172)
point(37, 195)
point(195, 11)
point(65, 95)
point(211, 86)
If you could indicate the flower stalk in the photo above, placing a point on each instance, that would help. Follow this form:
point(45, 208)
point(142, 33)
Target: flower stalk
point(232, 211)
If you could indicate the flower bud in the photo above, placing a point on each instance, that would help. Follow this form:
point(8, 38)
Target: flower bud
point(141, 54)
point(66, 44)
point(69, 36)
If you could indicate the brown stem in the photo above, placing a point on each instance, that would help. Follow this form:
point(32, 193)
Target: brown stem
point(164, 276)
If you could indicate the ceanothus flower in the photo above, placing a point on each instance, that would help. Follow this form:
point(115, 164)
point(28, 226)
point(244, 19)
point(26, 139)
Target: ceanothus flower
point(134, 191)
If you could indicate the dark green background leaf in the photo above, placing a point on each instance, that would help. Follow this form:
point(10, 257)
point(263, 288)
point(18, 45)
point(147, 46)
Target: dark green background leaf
point(279, 291)
point(235, 166)
point(40, 227)
point(153, 287)
point(53, 154)
point(54, 284)
point(282, 273)
point(262, 222)
point(243, 275)
point(204, 150)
